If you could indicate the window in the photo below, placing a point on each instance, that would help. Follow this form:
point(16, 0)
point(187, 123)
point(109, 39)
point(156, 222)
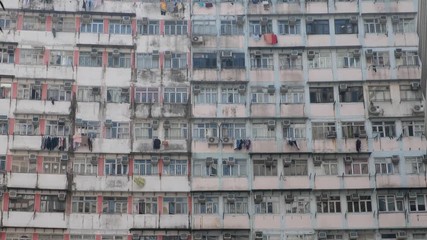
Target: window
point(230, 95)
point(122, 60)
point(146, 205)
point(328, 204)
point(117, 95)
point(65, 24)
point(6, 22)
point(383, 129)
point(58, 92)
point(351, 94)
point(297, 168)
point(18, 236)
point(300, 205)
point(51, 203)
point(147, 61)
point(204, 27)
point(176, 27)
point(118, 131)
point(353, 129)
point(111, 237)
point(259, 27)
point(22, 203)
point(203, 130)
point(7, 56)
point(143, 131)
point(30, 91)
point(82, 237)
point(175, 205)
point(233, 130)
point(345, 26)
point(152, 28)
point(362, 204)
point(294, 131)
point(374, 25)
point(175, 168)
point(322, 130)
point(357, 167)
point(88, 94)
point(204, 168)
point(415, 165)
point(287, 27)
point(204, 60)
point(31, 56)
point(210, 206)
point(95, 26)
point(144, 167)
point(419, 236)
point(384, 166)
point(239, 205)
point(146, 95)
point(390, 203)
point(404, 25)
point(269, 205)
point(117, 27)
point(330, 167)
point(378, 59)
point(265, 168)
point(51, 237)
point(379, 93)
point(318, 27)
point(408, 58)
point(320, 60)
point(418, 204)
point(90, 59)
point(261, 130)
point(176, 61)
point(54, 165)
point(3, 127)
point(34, 23)
point(321, 95)
point(346, 59)
point(237, 61)
point(57, 128)
point(115, 167)
point(290, 62)
point(237, 169)
point(25, 127)
point(61, 58)
point(293, 96)
point(413, 128)
point(408, 94)
point(262, 61)
point(207, 94)
point(175, 95)
point(5, 90)
point(177, 131)
point(260, 95)
point(231, 27)
point(83, 166)
point(22, 164)
point(114, 205)
point(2, 163)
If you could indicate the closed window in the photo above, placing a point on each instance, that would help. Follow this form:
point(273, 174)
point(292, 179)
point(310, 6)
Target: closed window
point(230, 27)
point(378, 59)
point(117, 27)
point(83, 166)
point(320, 60)
point(151, 28)
point(294, 131)
point(293, 96)
point(176, 27)
point(208, 94)
point(175, 205)
point(269, 205)
point(233, 130)
point(34, 23)
point(384, 166)
point(359, 205)
point(260, 95)
point(146, 95)
point(117, 95)
point(390, 203)
point(408, 58)
point(261, 130)
point(357, 167)
point(176, 61)
point(88, 94)
point(7, 56)
point(330, 167)
point(3, 127)
point(65, 24)
point(328, 204)
point(58, 92)
point(261, 61)
point(290, 62)
point(144, 167)
point(408, 94)
point(146, 205)
point(114, 205)
point(6, 22)
point(415, 165)
point(2, 163)
point(177, 130)
point(57, 128)
point(22, 203)
point(90, 128)
point(346, 59)
point(260, 27)
point(147, 61)
point(236, 61)
point(31, 56)
point(287, 27)
point(115, 167)
point(121, 60)
point(204, 27)
point(345, 26)
point(30, 91)
point(297, 168)
point(118, 130)
point(230, 95)
point(175, 168)
point(379, 93)
point(26, 127)
point(209, 206)
point(384, 129)
point(5, 90)
point(318, 27)
point(418, 204)
point(353, 129)
point(239, 205)
point(61, 58)
point(374, 25)
point(54, 165)
point(175, 95)
point(143, 131)
point(351, 94)
point(203, 130)
point(300, 205)
point(321, 95)
point(205, 168)
point(204, 60)
point(22, 164)
point(90, 59)
point(413, 128)
point(237, 169)
point(404, 25)
point(323, 130)
point(51, 203)
point(265, 168)
point(95, 26)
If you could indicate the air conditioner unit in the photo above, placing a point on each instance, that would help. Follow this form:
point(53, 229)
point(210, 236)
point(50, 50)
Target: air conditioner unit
point(108, 123)
point(125, 160)
point(348, 159)
point(231, 161)
point(67, 86)
point(383, 19)
point(35, 120)
point(286, 123)
point(415, 86)
point(37, 83)
point(3, 117)
point(183, 236)
point(64, 157)
point(166, 161)
point(395, 159)
point(264, 21)
point(231, 198)
point(401, 235)
point(94, 52)
point(32, 158)
point(226, 236)
point(213, 140)
point(227, 140)
point(294, 54)
point(13, 194)
point(395, 19)
point(155, 124)
point(197, 236)
point(154, 160)
point(135, 236)
point(354, 19)
point(309, 19)
point(284, 89)
point(398, 52)
point(311, 54)
point(324, 197)
point(116, 53)
point(155, 53)
point(412, 195)
point(226, 54)
point(209, 161)
point(259, 235)
point(375, 110)
point(369, 53)
point(258, 198)
point(94, 160)
point(126, 19)
point(418, 109)
point(257, 53)
point(425, 159)
point(144, 21)
point(271, 124)
point(96, 91)
point(242, 89)
point(42, 17)
point(61, 196)
point(355, 197)
point(331, 135)
point(10, 49)
point(289, 198)
point(271, 89)
point(201, 198)
point(287, 162)
point(197, 39)
point(269, 162)
point(86, 18)
point(196, 89)
point(317, 160)
point(61, 121)
point(292, 21)
point(166, 124)
point(240, 20)
point(322, 235)
point(265, 3)
point(356, 53)
point(353, 236)
point(400, 195)
point(343, 87)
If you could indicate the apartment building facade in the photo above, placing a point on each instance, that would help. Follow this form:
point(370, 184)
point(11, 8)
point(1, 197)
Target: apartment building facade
point(147, 120)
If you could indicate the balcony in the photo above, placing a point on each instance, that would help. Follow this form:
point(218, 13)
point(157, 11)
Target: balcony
point(204, 8)
point(349, 74)
point(387, 6)
point(265, 146)
point(236, 221)
point(118, 112)
point(346, 7)
point(3, 144)
point(174, 110)
point(347, 40)
point(329, 221)
point(204, 110)
point(408, 72)
point(322, 110)
point(103, 183)
point(385, 144)
point(324, 145)
point(7, 69)
point(298, 221)
point(388, 181)
point(356, 182)
point(146, 146)
point(145, 221)
point(231, 110)
point(89, 76)
point(320, 75)
point(316, 7)
point(415, 181)
point(376, 40)
point(261, 75)
point(111, 145)
point(288, 8)
point(231, 8)
point(117, 77)
point(263, 110)
point(205, 75)
point(26, 143)
point(318, 40)
point(100, 221)
point(234, 184)
point(206, 221)
point(417, 219)
point(89, 111)
point(22, 180)
point(34, 220)
point(60, 72)
point(231, 75)
point(205, 184)
point(292, 110)
point(236, 42)
point(327, 182)
point(295, 182)
point(392, 220)
point(361, 220)
point(263, 182)
point(174, 221)
point(267, 221)
point(352, 109)
point(292, 75)
point(406, 39)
